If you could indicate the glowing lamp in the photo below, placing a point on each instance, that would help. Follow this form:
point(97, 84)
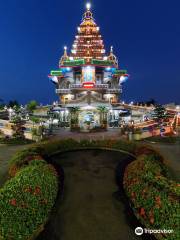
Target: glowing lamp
point(108, 69)
point(124, 78)
point(88, 85)
point(88, 6)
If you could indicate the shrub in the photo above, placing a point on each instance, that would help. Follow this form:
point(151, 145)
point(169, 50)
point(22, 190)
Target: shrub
point(22, 159)
point(14, 141)
point(26, 201)
point(154, 198)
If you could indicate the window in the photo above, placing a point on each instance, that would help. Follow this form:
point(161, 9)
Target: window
point(78, 78)
point(98, 78)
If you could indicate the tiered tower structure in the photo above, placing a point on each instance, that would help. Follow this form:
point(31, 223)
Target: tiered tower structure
point(87, 77)
point(88, 43)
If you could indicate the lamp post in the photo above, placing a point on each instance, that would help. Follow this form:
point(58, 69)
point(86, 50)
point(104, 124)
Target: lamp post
point(11, 113)
point(177, 119)
point(51, 115)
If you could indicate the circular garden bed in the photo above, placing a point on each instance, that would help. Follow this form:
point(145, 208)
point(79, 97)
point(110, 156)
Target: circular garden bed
point(28, 197)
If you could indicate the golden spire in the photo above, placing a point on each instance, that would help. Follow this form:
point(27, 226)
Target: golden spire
point(88, 14)
point(112, 57)
point(64, 57)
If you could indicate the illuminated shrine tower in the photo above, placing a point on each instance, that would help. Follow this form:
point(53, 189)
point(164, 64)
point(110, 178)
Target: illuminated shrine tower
point(87, 76)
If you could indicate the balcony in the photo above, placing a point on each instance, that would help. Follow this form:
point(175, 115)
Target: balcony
point(63, 91)
point(76, 86)
point(114, 90)
point(96, 86)
point(102, 86)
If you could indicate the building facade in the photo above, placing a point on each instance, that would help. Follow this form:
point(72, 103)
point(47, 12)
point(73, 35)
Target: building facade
point(88, 79)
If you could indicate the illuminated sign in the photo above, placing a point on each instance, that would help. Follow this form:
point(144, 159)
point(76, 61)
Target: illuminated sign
point(88, 85)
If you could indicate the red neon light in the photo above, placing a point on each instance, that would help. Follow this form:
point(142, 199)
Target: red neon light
point(88, 85)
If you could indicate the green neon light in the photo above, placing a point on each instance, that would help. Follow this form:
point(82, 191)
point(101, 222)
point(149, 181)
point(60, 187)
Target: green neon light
point(102, 62)
point(75, 62)
point(120, 72)
point(56, 73)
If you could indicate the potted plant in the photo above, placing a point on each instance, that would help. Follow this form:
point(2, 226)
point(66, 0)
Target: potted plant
point(137, 134)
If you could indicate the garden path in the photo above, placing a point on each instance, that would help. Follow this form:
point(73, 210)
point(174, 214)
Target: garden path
point(91, 207)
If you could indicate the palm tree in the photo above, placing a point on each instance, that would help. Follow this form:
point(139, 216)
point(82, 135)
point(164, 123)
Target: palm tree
point(103, 115)
point(74, 116)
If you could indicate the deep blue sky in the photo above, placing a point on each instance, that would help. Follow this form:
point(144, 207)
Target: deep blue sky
point(145, 36)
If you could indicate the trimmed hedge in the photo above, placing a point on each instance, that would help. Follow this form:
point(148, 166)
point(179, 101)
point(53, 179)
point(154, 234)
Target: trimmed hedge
point(15, 141)
point(22, 159)
point(153, 197)
point(26, 201)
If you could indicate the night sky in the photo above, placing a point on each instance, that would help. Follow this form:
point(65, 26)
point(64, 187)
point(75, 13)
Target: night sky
point(145, 36)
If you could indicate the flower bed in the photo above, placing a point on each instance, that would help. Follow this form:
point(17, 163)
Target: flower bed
point(153, 196)
point(26, 201)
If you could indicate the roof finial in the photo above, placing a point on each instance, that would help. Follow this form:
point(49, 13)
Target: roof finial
point(65, 51)
point(111, 49)
point(64, 57)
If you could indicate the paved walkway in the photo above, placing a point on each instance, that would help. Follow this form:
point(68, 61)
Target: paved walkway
point(91, 208)
point(113, 133)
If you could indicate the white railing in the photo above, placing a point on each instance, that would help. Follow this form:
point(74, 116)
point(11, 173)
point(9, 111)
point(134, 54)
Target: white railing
point(114, 90)
point(76, 86)
point(98, 86)
point(102, 86)
point(65, 91)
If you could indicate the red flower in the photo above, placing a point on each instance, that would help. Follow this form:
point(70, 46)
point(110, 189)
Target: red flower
point(28, 189)
point(142, 212)
point(13, 202)
point(151, 220)
point(37, 190)
point(158, 201)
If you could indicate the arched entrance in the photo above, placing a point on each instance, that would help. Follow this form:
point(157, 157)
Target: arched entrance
point(89, 118)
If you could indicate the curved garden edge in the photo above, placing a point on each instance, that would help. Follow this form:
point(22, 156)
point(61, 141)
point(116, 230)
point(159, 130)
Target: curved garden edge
point(44, 150)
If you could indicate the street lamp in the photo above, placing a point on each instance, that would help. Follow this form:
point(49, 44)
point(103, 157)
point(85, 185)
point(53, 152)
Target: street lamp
point(11, 113)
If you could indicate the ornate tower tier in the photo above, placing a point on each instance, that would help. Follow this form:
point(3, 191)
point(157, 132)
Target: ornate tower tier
point(88, 43)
